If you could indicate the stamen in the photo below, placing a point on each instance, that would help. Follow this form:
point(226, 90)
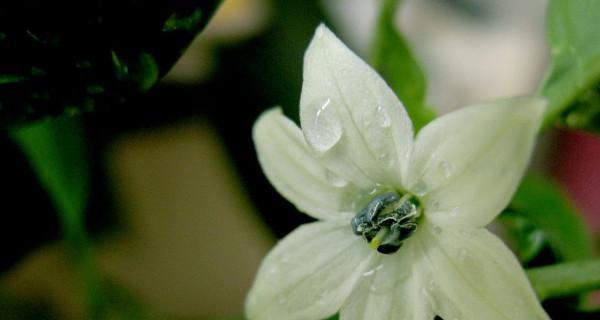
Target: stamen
point(387, 221)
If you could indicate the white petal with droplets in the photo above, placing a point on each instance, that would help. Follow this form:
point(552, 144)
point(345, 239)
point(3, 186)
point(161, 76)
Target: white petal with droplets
point(392, 288)
point(466, 165)
point(475, 276)
point(349, 115)
point(309, 274)
point(293, 170)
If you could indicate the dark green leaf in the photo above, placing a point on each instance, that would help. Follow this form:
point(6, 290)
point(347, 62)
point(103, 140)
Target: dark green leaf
point(572, 31)
point(84, 55)
point(187, 21)
point(541, 202)
point(392, 58)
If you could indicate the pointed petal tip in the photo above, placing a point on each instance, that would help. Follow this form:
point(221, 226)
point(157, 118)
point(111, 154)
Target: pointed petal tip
point(322, 37)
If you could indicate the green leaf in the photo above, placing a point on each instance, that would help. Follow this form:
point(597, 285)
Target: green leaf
point(392, 58)
point(541, 202)
point(528, 240)
point(187, 21)
point(56, 151)
point(572, 32)
point(565, 279)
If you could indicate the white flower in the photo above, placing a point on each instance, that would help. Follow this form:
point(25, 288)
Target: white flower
point(355, 160)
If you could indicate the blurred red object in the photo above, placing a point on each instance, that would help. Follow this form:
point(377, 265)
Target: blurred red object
point(578, 170)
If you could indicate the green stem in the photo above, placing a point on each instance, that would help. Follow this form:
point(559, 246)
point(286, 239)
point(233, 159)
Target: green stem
point(56, 150)
point(565, 279)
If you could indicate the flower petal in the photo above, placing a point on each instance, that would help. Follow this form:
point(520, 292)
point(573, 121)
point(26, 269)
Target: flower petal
point(466, 165)
point(390, 289)
point(475, 276)
point(350, 116)
point(295, 172)
point(309, 274)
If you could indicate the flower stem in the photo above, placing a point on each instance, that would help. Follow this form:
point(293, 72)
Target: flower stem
point(565, 278)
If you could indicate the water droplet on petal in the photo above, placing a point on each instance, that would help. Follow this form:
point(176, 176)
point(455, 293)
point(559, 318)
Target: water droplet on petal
point(323, 129)
point(272, 271)
point(454, 211)
point(445, 169)
point(386, 158)
point(420, 188)
point(383, 118)
point(372, 271)
point(335, 179)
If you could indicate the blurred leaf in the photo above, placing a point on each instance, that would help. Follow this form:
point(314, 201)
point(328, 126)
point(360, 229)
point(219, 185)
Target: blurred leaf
point(572, 32)
point(541, 202)
point(56, 151)
point(565, 279)
point(529, 239)
point(392, 58)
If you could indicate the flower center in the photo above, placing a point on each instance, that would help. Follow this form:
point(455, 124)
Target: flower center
point(387, 221)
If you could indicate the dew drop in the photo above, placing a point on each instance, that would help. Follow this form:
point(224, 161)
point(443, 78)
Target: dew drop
point(335, 179)
point(454, 211)
point(445, 169)
point(383, 118)
point(372, 271)
point(386, 158)
point(419, 188)
point(272, 271)
point(323, 129)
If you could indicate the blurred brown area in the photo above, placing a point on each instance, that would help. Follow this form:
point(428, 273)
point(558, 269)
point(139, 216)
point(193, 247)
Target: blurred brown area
point(190, 245)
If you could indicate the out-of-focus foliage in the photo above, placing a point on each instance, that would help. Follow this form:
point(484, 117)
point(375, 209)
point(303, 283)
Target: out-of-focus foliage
point(392, 58)
point(82, 55)
point(56, 151)
point(565, 279)
point(528, 240)
point(542, 204)
point(571, 84)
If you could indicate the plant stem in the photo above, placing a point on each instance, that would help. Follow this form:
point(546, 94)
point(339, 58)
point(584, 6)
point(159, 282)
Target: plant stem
point(565, 279)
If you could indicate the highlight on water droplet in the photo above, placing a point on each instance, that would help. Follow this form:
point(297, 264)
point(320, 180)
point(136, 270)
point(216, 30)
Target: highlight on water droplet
point(335, 179)
point(383, 117)
point(321, 125)
point(445, 169)
point(371, 272)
